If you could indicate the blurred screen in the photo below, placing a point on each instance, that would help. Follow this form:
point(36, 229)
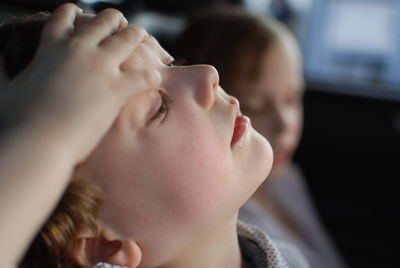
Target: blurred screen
point(354, 45)
point(360, 26)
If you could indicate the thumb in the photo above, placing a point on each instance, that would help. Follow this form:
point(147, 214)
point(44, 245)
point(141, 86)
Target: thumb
point(61, 22)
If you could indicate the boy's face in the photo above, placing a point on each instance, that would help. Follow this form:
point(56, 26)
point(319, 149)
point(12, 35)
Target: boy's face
point(172, 177)
point(274, 102)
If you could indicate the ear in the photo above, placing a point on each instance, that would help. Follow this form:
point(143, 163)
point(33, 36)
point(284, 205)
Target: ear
point(81, 252)
point(90, 249)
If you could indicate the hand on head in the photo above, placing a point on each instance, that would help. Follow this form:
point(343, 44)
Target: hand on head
point(170, 152)
point(86, 68)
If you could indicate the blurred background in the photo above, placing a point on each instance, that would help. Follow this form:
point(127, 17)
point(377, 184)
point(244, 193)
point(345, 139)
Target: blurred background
point(350, 149)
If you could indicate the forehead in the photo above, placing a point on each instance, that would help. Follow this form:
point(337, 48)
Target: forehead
point(280, 74)
point(282, 58)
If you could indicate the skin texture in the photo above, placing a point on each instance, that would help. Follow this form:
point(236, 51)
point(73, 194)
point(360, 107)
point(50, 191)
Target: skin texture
point(175, 184)
point(260, 64)
point(273, 101)
point(71, 117)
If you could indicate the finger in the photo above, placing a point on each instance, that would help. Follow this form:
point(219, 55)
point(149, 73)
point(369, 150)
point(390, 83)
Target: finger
point(149, 54)
point(144, 57)
point(124, 42)
point(83, 20)
point(103, 25)
point(138, 81)
point(164, 56)
point(61, 22)
point(134, 62)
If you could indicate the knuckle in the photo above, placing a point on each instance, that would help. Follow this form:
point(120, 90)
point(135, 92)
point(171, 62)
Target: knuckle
point(111, 15)
point(152, 77)
point(139, 31)
point(83, 20)
point(129, 35)
point(153, 41)
point(100, 21)
point(64, 8)
point(112, 12)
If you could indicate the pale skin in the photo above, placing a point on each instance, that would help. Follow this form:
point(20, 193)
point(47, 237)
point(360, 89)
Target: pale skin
point(173, 179)
point(274, 103)
point(38, 156)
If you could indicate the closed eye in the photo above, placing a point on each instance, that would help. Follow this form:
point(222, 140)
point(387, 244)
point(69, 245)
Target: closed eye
point(162, 110)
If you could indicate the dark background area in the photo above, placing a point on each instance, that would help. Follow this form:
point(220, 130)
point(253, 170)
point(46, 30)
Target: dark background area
point(349, 152)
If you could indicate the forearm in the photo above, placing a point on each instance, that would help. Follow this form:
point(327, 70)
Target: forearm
point(74, 112)
point(34, 171)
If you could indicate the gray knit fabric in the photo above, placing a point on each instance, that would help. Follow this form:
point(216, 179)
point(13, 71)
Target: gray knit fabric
point(257, 248)
point(312, 240)
point(106, 265)
point(278, 254)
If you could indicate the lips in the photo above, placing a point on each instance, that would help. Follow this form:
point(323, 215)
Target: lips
point(241, 125)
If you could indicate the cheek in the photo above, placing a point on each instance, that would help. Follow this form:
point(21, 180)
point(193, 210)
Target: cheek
point(289, 127)
point(179, 177)
point(194, 170)
point(296, 125)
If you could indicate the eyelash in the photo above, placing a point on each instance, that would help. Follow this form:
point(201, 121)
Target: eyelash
point(163, 109)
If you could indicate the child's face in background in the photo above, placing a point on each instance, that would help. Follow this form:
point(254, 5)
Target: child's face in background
point(173, 178)
point(274, 102)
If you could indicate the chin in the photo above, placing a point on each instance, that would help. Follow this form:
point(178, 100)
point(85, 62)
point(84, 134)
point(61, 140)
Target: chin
point(262, 157)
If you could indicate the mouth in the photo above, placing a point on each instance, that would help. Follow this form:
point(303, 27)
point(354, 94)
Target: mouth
point(241, 125)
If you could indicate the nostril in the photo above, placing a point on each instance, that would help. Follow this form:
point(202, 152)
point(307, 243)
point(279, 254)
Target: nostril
point(215, 86)
point(233, 100)
point(208, 86)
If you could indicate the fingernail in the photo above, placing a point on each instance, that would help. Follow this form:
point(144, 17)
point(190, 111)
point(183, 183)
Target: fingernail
point(124, 22)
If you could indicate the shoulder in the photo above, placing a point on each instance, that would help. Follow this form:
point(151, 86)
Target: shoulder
point(261, 251)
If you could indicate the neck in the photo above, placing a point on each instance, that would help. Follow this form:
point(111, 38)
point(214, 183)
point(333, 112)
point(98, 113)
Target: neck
point(217, 249)
point(269, 204)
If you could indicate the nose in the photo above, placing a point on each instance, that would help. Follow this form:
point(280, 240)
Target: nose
point(205, 91)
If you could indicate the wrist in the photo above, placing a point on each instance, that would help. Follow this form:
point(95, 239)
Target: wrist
point(36, 136)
